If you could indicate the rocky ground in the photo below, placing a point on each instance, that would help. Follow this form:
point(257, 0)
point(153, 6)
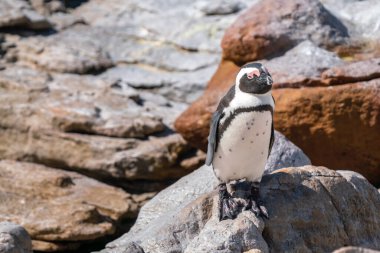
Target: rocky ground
point(100, 110)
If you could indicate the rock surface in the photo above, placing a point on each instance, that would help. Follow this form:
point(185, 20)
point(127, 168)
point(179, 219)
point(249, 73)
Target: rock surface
point(288, 195)
point(20, 14)
point(57, 206)
point(14, 239)
point(170, 201)
point(261, 32)
point(351, 249)
point(340, 124)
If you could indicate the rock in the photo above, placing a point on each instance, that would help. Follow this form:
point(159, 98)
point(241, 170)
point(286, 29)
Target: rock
point(121, 133)
point(14, 239)
point(288, 195)
point(196, 228)
point(261, 32)
point(352, 72)
point(56, 206)
point(202, 181)
point(220, 7)
point(337, 211)
point(64, 52)
point(47, 7)
point(301, 66)
point(284, 154)
point(351, 249)
point(18, 13)
point(326, 117)
point(61, 20)
point(175, 86)
point(360, 16)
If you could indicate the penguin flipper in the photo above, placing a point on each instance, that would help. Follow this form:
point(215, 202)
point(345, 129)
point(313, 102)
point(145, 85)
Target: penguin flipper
point(271, 142)
point(212, 137)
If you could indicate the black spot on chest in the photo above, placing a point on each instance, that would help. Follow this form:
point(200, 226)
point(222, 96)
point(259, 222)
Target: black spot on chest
point(222, 127)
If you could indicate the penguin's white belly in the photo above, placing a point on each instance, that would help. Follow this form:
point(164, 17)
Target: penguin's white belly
point(243, 148)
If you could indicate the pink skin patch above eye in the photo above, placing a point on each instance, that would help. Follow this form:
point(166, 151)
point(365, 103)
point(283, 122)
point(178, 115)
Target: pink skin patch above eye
point(254, 72)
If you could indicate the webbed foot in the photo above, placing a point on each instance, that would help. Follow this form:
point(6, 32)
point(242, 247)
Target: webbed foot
point(228, 208)
point(257, 205)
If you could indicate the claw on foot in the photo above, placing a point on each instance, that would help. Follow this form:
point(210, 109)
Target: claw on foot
point(258, 207)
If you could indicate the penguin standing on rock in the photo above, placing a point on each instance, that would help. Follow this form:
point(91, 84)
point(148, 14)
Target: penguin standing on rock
point(241, 137)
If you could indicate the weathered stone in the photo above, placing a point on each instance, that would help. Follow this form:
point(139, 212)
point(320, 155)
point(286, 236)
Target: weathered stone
point(199, 182)
point(322, 120)
point(14, 239)
point(330, 203)
point(351, 249)
point(352, 72)
point(190, 224)
point(220, 7)
point(284, 154)
point(196, 228)
point(63, 53)
point(36, 109)
point(61, 20)
point(361, 17)
point(301, 66)
point(19, 13)
point(54, 205)
point(261, 32)
point(47, 7)
point(176, 86)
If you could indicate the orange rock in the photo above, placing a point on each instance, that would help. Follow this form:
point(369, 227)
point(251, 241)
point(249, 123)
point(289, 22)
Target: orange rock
point(336, 126)
point(272, 27)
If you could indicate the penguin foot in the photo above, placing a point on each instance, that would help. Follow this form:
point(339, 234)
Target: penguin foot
point(257, 205)
point(228, 208)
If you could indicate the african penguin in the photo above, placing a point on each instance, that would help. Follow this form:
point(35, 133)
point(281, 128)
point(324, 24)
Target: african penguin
point(241, 131)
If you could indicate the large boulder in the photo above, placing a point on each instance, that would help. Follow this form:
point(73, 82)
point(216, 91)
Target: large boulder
point(297, 198)
point(14, 239)
point(336, 126)
point(122, 134)
point(56, 206)
point(270, 27)
point(170, 202)
point(19, 13)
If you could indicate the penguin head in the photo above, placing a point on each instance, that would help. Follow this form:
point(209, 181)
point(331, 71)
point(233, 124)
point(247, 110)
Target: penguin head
point(254, 78)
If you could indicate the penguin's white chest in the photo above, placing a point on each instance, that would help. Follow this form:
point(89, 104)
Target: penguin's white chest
point(243, 148)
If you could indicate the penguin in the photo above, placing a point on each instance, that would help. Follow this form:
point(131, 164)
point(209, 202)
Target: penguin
point(242, 135)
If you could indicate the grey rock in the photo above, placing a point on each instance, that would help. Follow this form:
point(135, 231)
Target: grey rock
point(351, 249)
point(196, 228)
point(361, 17)
point(302, 65)
point(47, 7)
point(285, 154)
point(61, 20)
point(169, 201)
point(14, 239)
point(121, 134)
point(20, 13)
point(175, 86)
point(331, 203)
point(56, 205)
point(220, 7)
point(65, 52)
point(289, 195)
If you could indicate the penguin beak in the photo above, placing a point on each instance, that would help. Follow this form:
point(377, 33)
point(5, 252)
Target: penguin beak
point(253, 73)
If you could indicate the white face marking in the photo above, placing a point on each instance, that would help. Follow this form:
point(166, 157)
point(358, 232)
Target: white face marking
point(244, 71)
